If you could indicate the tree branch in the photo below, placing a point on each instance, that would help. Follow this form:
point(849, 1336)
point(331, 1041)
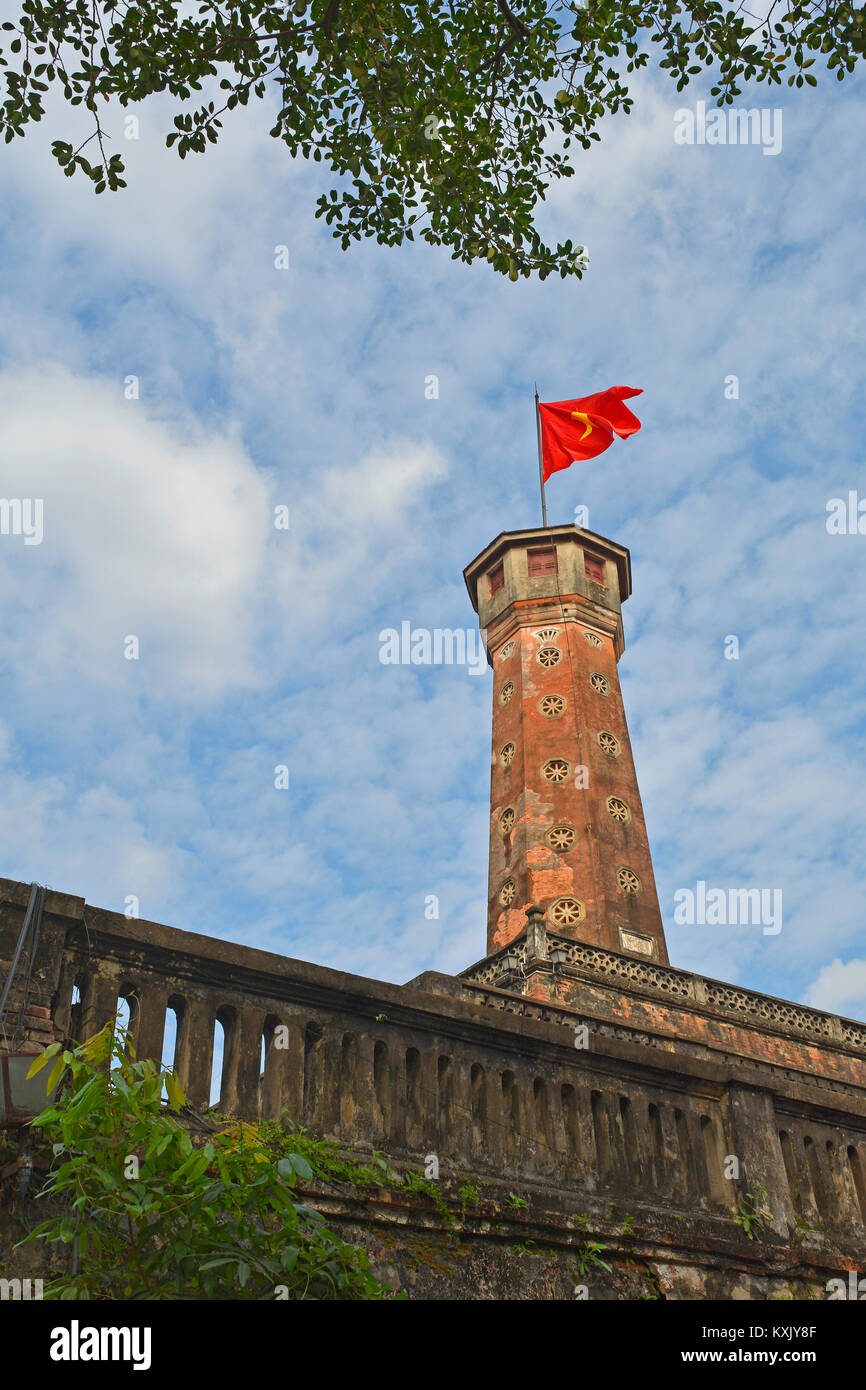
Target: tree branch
point(512, 20)
point(330, 17)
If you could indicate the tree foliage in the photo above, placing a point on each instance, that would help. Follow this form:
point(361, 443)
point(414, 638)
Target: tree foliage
point(445, 119)
point(148, 1214)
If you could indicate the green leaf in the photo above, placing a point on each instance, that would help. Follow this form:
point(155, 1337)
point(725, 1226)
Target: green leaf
point(42, 1061)
point(54, 1075)
point(301, 1167)
point(174, 1091)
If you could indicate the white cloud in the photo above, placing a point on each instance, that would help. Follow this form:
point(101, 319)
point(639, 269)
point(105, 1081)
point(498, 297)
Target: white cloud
point(355, 526)
point(150, 529)
point(840, 988)
point(56, 833)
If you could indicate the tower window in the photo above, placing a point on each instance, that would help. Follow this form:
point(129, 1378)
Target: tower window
point(507, 893)
point(594, 569)
point(566, 912)
point(561, 838)
point(496, 578)
point(608, 743)
point(628, 881)
point(541, 561)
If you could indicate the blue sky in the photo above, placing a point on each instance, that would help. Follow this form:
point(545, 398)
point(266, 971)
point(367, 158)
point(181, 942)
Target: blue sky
point(306, 387)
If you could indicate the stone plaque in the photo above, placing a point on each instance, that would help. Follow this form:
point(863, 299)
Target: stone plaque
point(631, 942)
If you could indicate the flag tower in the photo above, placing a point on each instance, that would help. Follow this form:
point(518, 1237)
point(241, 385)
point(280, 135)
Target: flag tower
point(567, 829)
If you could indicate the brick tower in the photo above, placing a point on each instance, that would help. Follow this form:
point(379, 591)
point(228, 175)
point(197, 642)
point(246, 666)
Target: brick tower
point(567, 829)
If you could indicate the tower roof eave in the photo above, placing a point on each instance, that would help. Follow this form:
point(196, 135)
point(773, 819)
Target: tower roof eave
point(506, 539)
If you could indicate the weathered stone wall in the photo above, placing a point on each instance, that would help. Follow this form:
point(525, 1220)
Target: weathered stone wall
point(510, 1241)
point(624, 1140)
point(553, 1250)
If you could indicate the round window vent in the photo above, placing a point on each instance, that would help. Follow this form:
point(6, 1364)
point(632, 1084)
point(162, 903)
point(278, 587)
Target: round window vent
point(608, 743)
point(617, 810)
point(506, 693)
point(507, 893)
point(600, 683)
point(549, 656)
point(555, 770)
point(506, 820)
point(628, 881)
point(507, 650)
point(566, 912)
point(506, 754)
point(552, 706)
point(561, 838)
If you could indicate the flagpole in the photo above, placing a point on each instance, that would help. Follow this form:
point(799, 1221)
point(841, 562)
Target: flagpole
point(540, 465)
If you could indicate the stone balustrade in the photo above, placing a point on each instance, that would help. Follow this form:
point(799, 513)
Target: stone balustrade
point(494, 1083)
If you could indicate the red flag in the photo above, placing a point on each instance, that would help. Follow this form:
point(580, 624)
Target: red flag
point(575, 430)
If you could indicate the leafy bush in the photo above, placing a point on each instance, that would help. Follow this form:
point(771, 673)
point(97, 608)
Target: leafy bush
point(148, 1214)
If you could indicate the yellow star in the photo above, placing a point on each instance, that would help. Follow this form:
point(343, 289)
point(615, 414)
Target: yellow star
point(579, 415)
